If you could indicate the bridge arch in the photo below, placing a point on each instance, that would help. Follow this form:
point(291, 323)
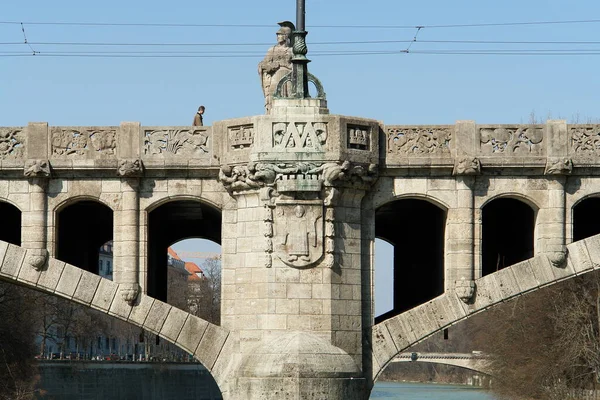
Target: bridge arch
point(508, 230)
point(436, 201)
point(418, 266)
point(529, 200)
point(585, 219)
point(169, 221)
point(196, 336)
point(470, 361)
point(67, 201)
point(77, 246)
point(11, 222)
point(397, 334)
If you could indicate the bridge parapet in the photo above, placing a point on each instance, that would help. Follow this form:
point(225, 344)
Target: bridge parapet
point(300, 138)
point(550, 147)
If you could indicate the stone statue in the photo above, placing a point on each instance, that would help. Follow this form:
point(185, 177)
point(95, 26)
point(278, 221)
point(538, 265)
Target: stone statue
point(276, 64)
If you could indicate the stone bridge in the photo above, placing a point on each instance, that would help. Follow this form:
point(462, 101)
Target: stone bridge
point(474, 361)
point(477, 215)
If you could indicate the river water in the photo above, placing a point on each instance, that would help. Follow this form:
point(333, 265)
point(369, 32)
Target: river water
point(426, 391)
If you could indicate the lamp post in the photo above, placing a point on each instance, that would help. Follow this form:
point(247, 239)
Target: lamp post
point(299, 50)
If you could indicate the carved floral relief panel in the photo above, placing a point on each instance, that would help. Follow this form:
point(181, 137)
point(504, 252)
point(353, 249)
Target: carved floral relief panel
point(176, 142)
point(73, 142)
point(12, 143)
point(419, 140)
point(518, 140)
point(585, 139)
point(303, 136)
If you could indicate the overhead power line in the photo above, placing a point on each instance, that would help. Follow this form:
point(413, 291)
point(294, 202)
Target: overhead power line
point(312, 43)
point(182, 25)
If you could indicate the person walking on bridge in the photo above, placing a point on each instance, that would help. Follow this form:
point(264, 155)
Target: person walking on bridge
point(198, 121)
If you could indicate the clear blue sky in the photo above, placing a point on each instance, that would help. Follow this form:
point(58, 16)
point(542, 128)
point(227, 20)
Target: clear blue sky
point(414, 88)
point(397, 89)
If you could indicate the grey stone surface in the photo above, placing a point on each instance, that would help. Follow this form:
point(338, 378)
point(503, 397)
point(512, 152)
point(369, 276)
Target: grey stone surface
point(140, 311)
point(211, 345)
point(68, 281)
point(50, 276)
point(86, 289)
point(191, 333)
point(12, 262)
point(173, 324)
point(105, 295)
point(157, 316)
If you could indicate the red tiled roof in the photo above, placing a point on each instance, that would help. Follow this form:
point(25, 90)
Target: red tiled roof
point(192, 267)
point(194, 277)
point(173, 254)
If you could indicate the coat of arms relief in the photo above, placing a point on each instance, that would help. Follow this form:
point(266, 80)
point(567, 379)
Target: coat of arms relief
point(298, 232)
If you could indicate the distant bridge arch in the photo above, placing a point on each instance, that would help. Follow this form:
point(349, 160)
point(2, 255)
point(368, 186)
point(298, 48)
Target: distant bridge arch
point(471, 361)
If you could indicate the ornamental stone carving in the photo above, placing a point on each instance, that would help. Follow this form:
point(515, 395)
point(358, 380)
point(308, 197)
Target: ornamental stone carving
point(585, 139)
point(558, 258)
point(359, 137)
point(129, 292)
point(465, 289)
point(83, 143)
point(298, 226)
point(187, 142)
point(12, 143)
point(558, 166)
point(295, 177)
point(524, 140)
point(36, 258)
point(241, 137)
point(130, 168)
point(419, 140)
point(303, 136)
point(37, 169)
point(467, 166)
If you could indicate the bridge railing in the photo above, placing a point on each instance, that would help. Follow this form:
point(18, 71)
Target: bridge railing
point(402, 146)
point(101, 147)
point(516, 145)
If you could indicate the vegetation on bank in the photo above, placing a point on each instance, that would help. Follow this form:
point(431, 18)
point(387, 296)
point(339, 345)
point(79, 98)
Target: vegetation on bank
point(544, 345)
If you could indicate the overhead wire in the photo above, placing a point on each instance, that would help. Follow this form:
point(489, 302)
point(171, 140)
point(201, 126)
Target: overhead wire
point(134, 53)
point(185, 25)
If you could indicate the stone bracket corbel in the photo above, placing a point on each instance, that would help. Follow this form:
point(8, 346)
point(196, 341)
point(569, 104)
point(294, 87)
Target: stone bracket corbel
point(465, 289)
point(467, 166)
point(37, 169)
point(558, 166)
point(130, 168)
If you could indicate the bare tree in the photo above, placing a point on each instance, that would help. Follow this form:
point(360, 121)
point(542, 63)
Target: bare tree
point(204, 298)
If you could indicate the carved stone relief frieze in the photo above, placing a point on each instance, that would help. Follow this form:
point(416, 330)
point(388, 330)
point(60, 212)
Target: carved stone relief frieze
point(12, 143)
point(419, 140)
point(359, 137)
point(296, 177)
point(83, 143)
point(241, 136)
point(521, 140)
point(188, 142)
point(585, 139)
point(303, 136)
